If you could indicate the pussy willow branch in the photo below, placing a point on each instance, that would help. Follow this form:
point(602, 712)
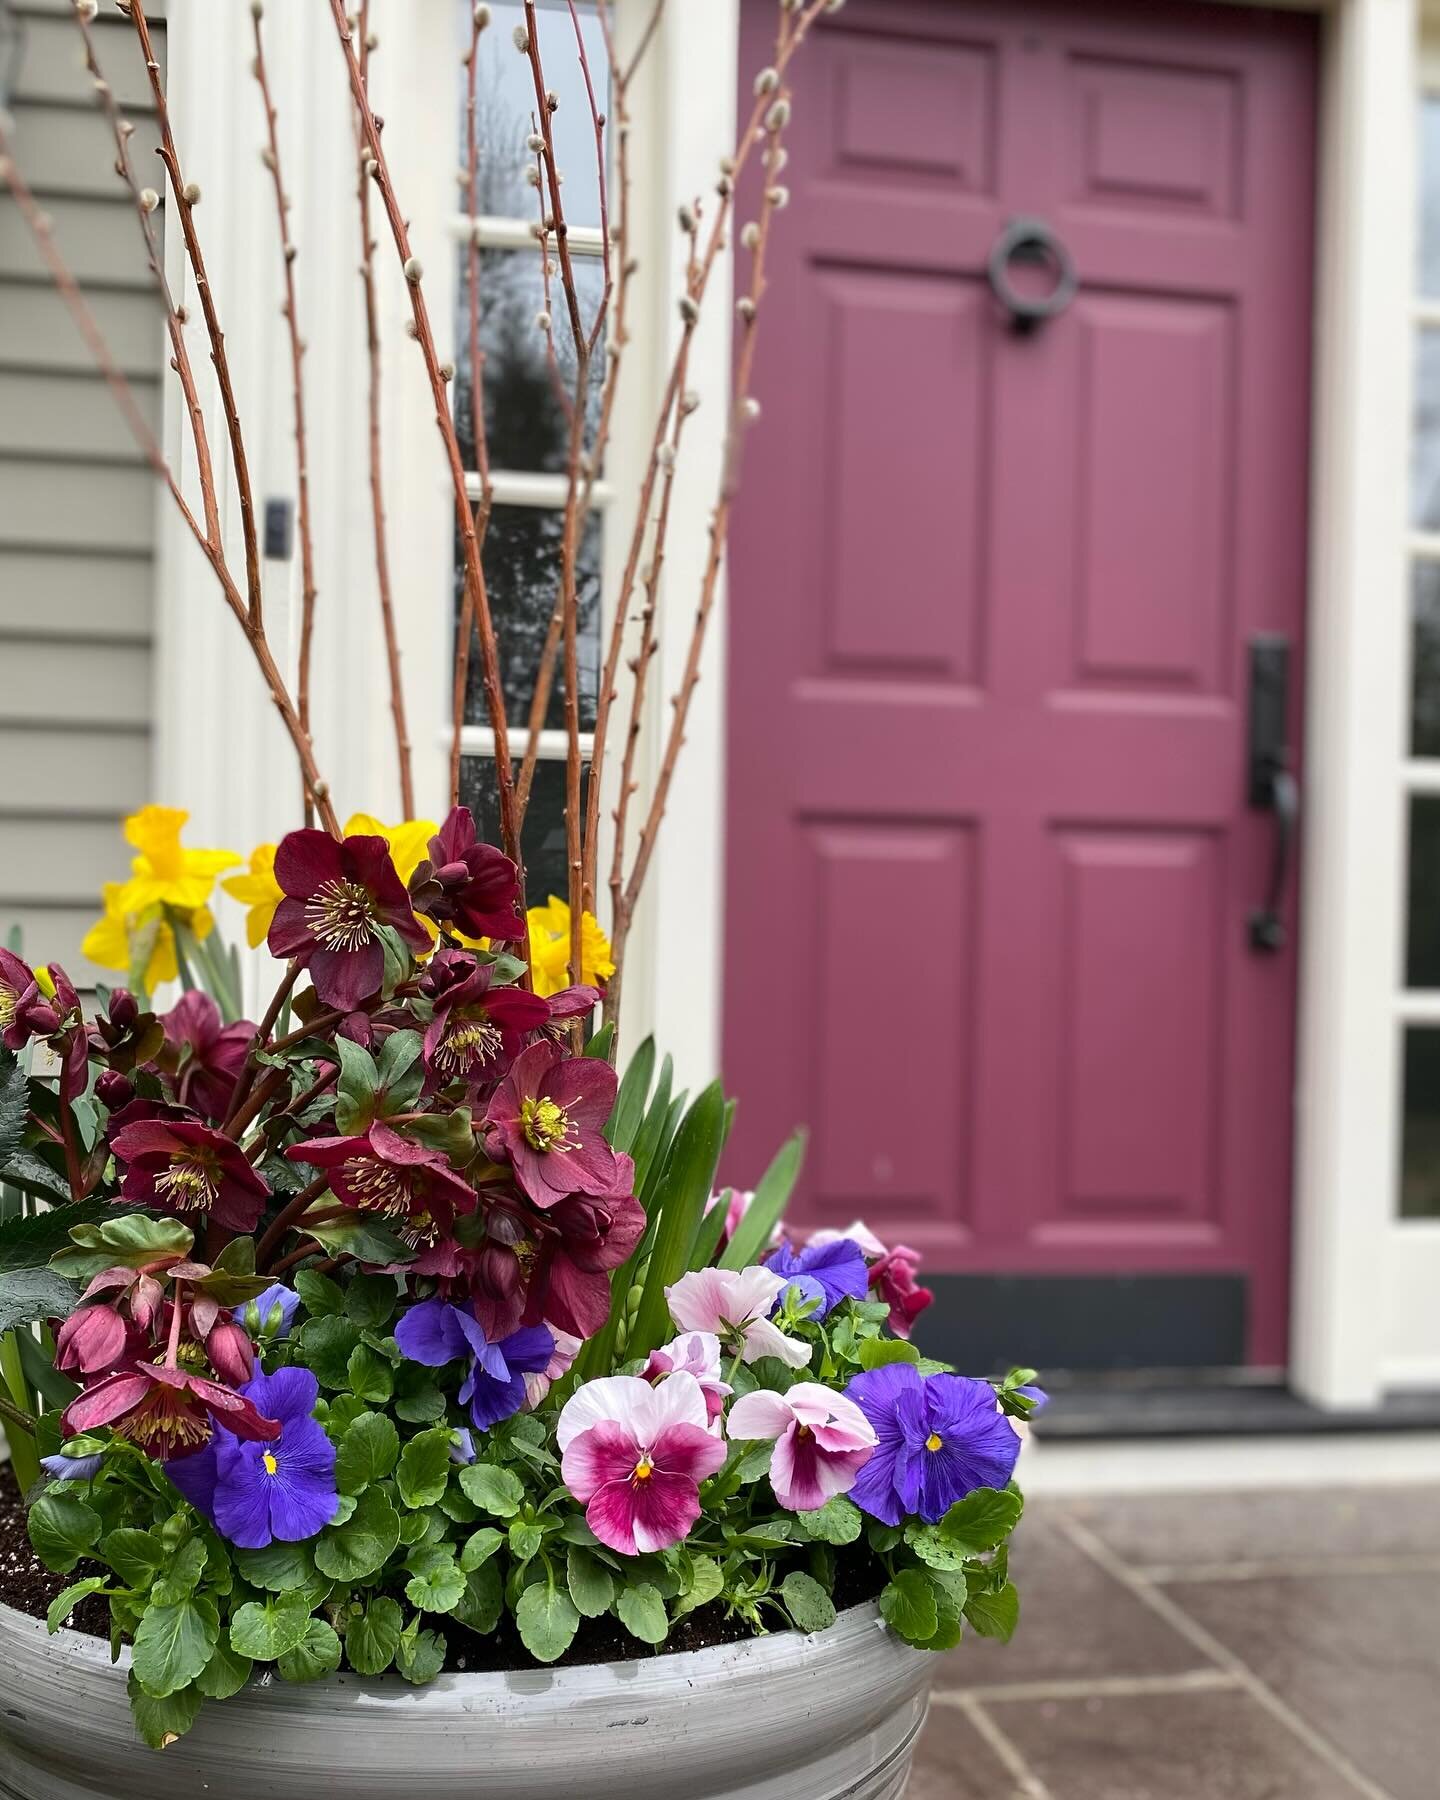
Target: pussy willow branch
point(479, 437)
point(425, 337)
point(185, 197)
point(208, 536)
point(291, 314)
point(767, 122)
point(545, 104)
point(388, 626)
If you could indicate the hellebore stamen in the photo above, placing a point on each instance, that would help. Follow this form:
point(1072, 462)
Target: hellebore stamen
point(377, 1187)
point(9, 1004)
point(467, 1044)
point(546, 1125)
point(189, 1184)
point(341, 914)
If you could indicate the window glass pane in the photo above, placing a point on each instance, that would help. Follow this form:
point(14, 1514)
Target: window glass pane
point(521, 561)
point(526, 423)
point(1425, 447)
point(1429, 177)
point(505, 108)
point(1425, 659)
point(1420, 1133)
point(544, 833)
point(1422, 961)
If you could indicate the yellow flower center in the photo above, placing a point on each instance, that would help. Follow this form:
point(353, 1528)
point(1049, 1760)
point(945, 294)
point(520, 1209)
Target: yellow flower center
point(9, 1001)
point(644, 1469)
point(934, 1441)
point(341, 914)
point(376, 1187)
point(270, 1463)
point(189, 1184)
point(545, 1124)
point(466, 1044)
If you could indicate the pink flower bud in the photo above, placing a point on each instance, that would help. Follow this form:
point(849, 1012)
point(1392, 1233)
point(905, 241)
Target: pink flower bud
point(90, 1340)
point(232, 1355)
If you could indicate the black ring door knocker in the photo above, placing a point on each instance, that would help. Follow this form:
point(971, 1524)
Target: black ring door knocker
point(1032, 241)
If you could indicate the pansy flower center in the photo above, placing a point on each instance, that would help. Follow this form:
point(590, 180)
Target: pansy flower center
point(468, 1044)
point(934, 1441)
point(341, 914)
point(271, 1465)
point(9, 1004)
point(644, 1469)
point(189, 1183)
point(546, 1124)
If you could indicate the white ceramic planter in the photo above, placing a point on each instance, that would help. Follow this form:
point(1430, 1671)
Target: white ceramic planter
point(829, 1717)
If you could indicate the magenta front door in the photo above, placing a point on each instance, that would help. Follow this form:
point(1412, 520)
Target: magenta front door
point(991, 861)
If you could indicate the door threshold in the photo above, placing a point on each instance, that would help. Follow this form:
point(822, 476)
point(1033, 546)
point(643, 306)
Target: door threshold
point(1134, 1409)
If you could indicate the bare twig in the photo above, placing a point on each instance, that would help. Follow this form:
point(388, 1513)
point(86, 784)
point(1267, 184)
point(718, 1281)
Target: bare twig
point(377, 480)
point(425, 337)
point(291, 314)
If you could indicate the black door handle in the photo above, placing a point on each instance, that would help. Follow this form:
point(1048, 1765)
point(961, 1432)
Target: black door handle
point(1272, 785)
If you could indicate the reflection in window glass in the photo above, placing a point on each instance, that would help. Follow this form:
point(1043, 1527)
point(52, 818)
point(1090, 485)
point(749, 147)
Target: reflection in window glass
point(1420, 1131)
point(505, 109)
point(1425, 442)
point(544, 833)
point(522, 562)
point(1425, 659)
point(526, 424)
point(1429, 179)
point(1422, 958)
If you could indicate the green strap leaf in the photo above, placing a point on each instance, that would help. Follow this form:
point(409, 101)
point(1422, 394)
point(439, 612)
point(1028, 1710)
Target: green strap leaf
point(629, 1111)
point(677, 1211)
point(767, 1208)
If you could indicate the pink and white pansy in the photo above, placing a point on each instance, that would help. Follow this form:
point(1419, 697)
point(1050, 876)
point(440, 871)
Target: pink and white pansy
point(736, 1304)
point(634, 1456)
point(822, 1441)
point(696, 1353)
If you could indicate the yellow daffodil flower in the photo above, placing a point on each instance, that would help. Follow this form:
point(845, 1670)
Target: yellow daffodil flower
point(259, 892)
point(111, 940)
point(165, 873)
point(550, 948)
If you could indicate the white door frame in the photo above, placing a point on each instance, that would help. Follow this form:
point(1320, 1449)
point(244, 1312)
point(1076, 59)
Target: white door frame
point(1359, 1279)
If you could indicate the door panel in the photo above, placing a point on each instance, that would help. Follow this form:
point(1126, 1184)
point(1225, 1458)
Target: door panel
point(991, 860)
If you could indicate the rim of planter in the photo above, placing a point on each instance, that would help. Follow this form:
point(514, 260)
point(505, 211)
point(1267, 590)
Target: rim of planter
point(742, 1719)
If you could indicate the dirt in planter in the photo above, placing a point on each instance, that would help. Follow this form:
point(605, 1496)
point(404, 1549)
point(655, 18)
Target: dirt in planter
point(28, 1586)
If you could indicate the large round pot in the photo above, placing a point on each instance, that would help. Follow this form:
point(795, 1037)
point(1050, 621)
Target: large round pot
point(829, 1717)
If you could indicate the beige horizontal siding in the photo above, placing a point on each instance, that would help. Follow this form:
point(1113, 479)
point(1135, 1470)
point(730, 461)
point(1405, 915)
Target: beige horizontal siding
point(77, 504)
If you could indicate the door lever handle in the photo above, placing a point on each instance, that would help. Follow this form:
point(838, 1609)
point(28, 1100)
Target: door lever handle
point(1267, 932)
point(1272, 786)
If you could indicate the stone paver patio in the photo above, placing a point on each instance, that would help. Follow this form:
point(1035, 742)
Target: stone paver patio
point(1246, 1646)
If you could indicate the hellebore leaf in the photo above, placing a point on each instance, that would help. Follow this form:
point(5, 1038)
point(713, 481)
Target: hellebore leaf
point(809, 1605)
point(62, 1528)
point(69, 1598)
point(30, 1294)
point(494, 1490)
point(14, 1104)
point(367, 1452)
point(315, 1656)
point(547, 1620)
point(373, 1636)
point(361, 1238)
point(908, 1607)
point(174, 1643)
point(424, 1471)
point(225, 1673)
point(161, 1722)
point(995, 1615)
point(592, 1586)
point(128, 1241)
point(351, 1551)
point(642, 1613)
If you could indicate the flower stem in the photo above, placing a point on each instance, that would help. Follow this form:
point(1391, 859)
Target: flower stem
point(288, 1216)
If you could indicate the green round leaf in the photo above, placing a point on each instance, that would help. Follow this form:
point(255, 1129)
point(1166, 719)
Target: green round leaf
point(480, 1546)
point(278, 1567)
point(370, 1300)
point(525, 1540)
point(995, 1615)
point(316, 1655)
point(325, 1346)
point(808, 1604)
point(424, 1471)
point(874, 1353)
point(908, 1606)
point(62, 1528)
point(174, 1643)
point(69, 1598)
point(494, 1490)
point(369, 1376)
point(436, 1583)
point(373, 1636)
point(548, 1620)
point(351, 1551)
point(421, 1656)
point(483, 1600)
point(271, 1628)
point(160, 1722)
point(591, 1585)
point(707, 1582)
point(367, 1452)
point(982, 1520)
point(838, 1521)
point(225, 1673)
point(136, 1556)
point(642, 1613)
point(181, 1573)
point(319, 1295)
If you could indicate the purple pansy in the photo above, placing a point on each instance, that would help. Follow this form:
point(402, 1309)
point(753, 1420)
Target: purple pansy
point(435, 1333)
point(828, 1273)
point(941, 1436)
point(260, 1493)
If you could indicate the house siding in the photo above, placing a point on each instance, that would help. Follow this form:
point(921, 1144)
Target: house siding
point(77, 504)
